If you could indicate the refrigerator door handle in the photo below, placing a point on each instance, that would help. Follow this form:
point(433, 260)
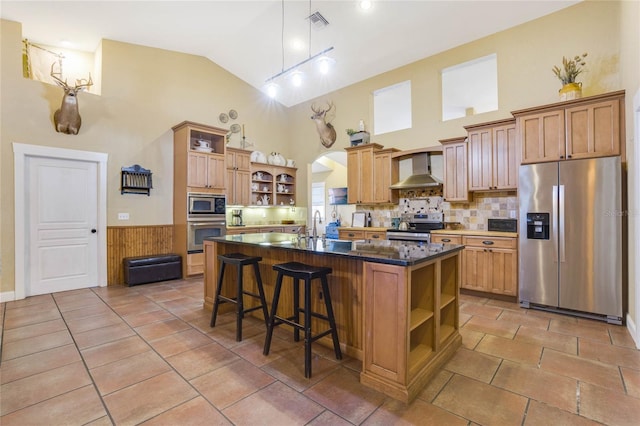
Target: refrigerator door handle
point(561, 242)
point(554, 221)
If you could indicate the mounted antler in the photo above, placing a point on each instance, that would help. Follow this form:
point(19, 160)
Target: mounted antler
point(325, 129)
point(67, 118)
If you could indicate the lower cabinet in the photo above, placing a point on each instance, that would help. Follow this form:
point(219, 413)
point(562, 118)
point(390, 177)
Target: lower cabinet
point(361, 234)
point(489, 264)
point(410, 323)
point(195, 263)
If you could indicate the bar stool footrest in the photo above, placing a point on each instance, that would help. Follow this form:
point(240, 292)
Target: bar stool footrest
point(288, 321)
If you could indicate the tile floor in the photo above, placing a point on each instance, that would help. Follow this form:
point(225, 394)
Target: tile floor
point(146, 354)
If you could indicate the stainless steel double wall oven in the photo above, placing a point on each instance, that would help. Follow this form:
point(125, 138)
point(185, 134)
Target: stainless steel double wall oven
point(205, 218)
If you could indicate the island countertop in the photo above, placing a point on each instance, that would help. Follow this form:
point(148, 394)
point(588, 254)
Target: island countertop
point(396, 303)
point(402, 253)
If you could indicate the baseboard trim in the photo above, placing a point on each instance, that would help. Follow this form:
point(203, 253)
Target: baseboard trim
point(7, 296)
point(633, 330)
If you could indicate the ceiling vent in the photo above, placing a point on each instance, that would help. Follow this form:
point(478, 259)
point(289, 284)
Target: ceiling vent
point(318, 21)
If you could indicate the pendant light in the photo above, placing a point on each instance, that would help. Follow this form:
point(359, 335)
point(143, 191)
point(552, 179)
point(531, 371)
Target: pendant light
point(295, 75)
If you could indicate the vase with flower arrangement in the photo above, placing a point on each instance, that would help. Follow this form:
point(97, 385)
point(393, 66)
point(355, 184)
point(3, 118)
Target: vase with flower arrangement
point(571, 68)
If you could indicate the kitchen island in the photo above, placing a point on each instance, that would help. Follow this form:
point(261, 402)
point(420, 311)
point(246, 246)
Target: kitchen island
point(395, 302)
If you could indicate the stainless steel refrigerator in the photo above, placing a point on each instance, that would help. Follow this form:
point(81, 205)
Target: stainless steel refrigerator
point(570, 239)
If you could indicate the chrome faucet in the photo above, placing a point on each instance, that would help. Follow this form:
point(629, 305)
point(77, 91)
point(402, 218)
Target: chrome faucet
point(315, 229)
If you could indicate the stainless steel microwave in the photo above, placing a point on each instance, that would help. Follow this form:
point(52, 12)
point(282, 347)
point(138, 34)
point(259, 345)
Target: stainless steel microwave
point(202, 206)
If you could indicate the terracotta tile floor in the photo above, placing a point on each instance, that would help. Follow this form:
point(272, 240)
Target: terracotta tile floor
point(146, 354)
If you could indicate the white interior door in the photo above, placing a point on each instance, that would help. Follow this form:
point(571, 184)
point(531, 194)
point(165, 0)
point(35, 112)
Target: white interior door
point(62, 209)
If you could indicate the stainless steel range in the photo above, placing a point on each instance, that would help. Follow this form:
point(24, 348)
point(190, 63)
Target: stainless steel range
point(420, 227)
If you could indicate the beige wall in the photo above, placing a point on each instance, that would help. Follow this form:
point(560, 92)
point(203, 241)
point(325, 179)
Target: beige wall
point(607, 30)
point(145, 91)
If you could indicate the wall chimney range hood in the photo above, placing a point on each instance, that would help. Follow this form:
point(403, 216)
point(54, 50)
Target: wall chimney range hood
point(421, 176)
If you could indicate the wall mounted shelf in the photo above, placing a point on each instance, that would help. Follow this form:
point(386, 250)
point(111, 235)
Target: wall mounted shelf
point(135, 180)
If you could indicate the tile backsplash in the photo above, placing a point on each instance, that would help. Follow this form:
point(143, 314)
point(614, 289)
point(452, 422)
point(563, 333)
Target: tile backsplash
point(472, 215)
point(484, 205)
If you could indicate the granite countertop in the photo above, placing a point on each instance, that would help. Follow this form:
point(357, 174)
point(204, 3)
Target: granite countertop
point(401, 253)
point(470, 232)
point(265, 225)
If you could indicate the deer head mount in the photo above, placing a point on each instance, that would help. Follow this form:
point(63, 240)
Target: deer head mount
point(325, 128)
point(67, 118)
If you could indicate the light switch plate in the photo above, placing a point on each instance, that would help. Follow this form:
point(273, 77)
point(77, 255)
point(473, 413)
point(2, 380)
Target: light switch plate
point(123, 216)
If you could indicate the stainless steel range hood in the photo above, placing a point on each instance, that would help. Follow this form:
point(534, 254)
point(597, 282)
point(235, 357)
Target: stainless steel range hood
point(421, 176)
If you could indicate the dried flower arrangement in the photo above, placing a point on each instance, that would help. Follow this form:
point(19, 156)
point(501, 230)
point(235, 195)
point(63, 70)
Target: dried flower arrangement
point(570, 68)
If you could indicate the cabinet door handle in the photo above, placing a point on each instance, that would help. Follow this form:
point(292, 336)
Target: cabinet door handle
point(350, 234)
point(446, 240)
point(568, 156)
point(487, 243)
point(562, 156)
point(375, 236)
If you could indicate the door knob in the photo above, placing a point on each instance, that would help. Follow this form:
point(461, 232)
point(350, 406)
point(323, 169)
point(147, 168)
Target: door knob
point(93, 231)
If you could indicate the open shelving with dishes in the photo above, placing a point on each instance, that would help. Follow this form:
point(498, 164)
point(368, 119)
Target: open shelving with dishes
point(272, 185)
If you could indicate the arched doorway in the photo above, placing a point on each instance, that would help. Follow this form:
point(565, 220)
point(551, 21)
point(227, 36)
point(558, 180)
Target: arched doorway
point(328, 171)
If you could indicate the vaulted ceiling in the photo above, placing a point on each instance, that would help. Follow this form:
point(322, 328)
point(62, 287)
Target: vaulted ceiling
point(254, 40)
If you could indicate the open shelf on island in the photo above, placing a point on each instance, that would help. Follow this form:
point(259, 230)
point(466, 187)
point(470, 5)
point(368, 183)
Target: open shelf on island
point(418, 317)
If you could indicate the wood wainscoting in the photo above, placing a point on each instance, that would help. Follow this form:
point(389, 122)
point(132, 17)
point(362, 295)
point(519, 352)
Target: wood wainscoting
point(129, 241)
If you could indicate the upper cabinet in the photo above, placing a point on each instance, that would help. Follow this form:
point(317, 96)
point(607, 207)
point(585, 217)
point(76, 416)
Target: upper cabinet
point(199, 158)
point(360, 173)
point(238, 176)
point(385, 174)
point(583, 128)
point(492, 156)
point(371, 170)
point(455, 187)
point(205, 172)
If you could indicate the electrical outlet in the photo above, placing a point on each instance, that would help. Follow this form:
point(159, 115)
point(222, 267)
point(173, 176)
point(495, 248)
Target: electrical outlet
point(123, 216)
point(513, 214)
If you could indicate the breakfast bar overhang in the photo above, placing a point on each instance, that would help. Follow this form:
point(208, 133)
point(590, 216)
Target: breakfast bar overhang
point(395, 302)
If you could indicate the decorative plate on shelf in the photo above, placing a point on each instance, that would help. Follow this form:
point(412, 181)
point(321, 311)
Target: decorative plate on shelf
point(235, 128)
point(258, 157)
point(233, 114)
point(223, 117)
point(203, 149)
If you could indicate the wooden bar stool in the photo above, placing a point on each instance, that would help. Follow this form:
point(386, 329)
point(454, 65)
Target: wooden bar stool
point(240, 260)
point(300, 271)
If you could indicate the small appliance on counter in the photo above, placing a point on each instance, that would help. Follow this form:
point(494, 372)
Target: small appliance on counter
point(502, 225)
point(331, 230)
point(236, 217)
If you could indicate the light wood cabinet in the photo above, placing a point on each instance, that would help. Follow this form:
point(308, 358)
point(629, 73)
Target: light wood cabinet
point(362, 234)
point(350, 234)
point(455, 186)
point(492, 154)
point(583, 128)
point(360, 173)
point(238, 176)
point(195, 263)
point(195, 169)
point(375, 235)
point(206, 171)
point(273, 185)
point(490, 264)
point(410, 322)
point(385, 174)
point(446, 239)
